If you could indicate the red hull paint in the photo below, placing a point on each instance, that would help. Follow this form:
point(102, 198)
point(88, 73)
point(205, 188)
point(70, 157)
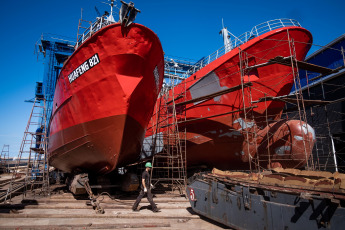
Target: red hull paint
point(221, 141)
point(103, 103)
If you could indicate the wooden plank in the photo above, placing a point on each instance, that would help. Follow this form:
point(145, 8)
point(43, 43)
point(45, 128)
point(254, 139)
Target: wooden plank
point(323, 75)
point(301, 65)
point(292, 100)
point(178, 97)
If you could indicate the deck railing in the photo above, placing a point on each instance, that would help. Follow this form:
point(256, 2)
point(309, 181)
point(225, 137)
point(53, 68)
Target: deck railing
point(237, 41)
point(94, 27)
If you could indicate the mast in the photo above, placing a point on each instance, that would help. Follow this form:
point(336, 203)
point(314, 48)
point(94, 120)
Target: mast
point(110, 18)
point(226, 38)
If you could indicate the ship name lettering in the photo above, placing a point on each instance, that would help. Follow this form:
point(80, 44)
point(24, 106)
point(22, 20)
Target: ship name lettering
point(83, 68)
point(94, 60)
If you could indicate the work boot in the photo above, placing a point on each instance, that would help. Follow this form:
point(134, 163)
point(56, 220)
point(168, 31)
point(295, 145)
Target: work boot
point(156, 210)
point(135, 209)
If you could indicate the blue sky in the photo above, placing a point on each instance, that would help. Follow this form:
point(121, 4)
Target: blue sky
point(188, 29)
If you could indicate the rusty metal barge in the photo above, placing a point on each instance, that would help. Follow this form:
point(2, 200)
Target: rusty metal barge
point(277, 199)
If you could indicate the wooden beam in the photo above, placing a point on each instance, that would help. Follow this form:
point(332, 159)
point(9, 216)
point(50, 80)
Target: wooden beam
point(262, 99)
point(292, 100)
point(295, 108)
point(178, 97)
point(323, 75)
point(301, 65)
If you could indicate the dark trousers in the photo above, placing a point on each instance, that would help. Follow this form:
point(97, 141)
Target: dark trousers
point(38, 141)
point(149, 198)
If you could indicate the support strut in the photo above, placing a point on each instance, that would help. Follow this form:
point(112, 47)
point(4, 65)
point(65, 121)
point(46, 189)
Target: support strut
point(84, 180)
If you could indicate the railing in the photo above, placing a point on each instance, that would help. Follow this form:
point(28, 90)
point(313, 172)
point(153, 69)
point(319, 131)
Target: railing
point(97, 25)
point(237, 41)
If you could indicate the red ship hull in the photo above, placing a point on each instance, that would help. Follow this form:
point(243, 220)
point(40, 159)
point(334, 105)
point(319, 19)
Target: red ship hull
point(217, 128)
point(104, 99)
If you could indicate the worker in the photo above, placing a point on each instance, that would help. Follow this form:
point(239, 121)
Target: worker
point(39, 133)
point(145, 189)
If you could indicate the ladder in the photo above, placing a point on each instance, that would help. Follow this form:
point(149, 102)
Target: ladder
point(169, 165)
point(4, 158)
point(31, 170)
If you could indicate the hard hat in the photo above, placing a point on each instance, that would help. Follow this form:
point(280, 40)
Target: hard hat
point(148, 165)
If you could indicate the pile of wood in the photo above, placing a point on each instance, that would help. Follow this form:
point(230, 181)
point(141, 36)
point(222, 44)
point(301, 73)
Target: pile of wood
point(294, 178)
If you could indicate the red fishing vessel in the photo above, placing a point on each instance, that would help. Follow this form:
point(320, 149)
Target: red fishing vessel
point(229, 116)
point(105, 95)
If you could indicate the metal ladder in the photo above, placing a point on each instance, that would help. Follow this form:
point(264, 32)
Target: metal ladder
point(31, 170)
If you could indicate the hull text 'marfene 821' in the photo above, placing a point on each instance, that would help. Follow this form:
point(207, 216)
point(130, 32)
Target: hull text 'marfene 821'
point(230, 119)
point(105, 95)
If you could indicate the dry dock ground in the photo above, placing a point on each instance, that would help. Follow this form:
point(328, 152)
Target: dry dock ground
point(64, 211)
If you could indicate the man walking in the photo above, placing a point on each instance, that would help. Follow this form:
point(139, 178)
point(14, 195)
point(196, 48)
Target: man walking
point(145, 188)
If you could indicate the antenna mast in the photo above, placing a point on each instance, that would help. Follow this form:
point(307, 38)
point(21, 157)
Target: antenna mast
point(226, 38)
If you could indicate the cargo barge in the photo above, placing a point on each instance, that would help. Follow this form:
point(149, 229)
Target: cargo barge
point(277, 199)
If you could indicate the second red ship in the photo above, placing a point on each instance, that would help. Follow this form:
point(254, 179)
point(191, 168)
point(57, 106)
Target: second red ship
point(230, 119)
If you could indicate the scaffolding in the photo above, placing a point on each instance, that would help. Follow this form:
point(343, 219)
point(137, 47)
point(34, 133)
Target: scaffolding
point(312, 109)
point(4, 158)
point(31, 170)
point(326, 116)
point(260, 155)
point(169, 136)
point(300, 106)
